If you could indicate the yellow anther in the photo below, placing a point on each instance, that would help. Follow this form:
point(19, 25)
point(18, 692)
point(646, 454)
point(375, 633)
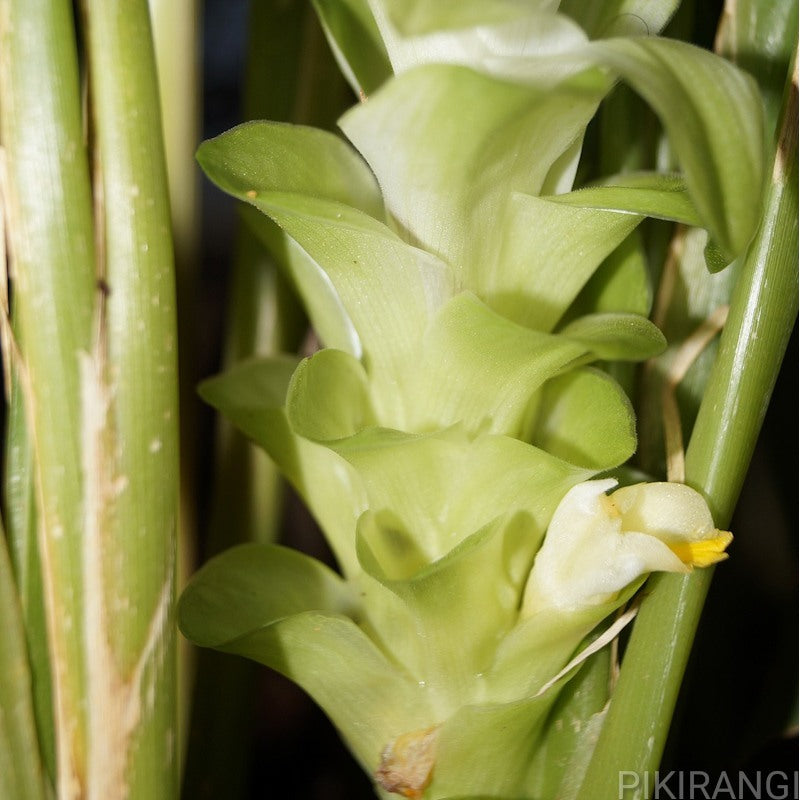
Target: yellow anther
point(705, 552)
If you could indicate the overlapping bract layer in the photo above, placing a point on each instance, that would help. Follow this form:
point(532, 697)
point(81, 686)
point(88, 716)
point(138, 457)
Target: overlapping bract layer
point(453, 407)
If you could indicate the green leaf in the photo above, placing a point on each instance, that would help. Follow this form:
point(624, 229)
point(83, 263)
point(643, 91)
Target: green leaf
point(621, 283)
point(511, 39)
point(462, 603)
point(586, 419)
point(481, 370)
point(284, 610)
point(561, 174)
point(499, 37)
point(529, 283)
point(712, 113)
point(479, 797)
point(252, 396)
point(417, 17)
point(714, 257)
point(328, 397)
point(713, 116)
point(761, 38)
point(390, 289)
point(617, 337)
point(620, 17)
point(258, 157)
point(356, 42)
point(323, 305)
point(572, 727)
point(444, 486)
point(386, 550)
point(643, 193)
point(253, 585)
point(369, 699)
point(540, 646)
point(447, 164)
point(252, 385)
point(505, 735)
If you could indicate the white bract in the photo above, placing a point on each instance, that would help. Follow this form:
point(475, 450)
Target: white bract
point(597, 544)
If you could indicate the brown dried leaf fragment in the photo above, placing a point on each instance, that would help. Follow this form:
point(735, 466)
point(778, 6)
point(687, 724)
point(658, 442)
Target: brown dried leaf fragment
point(407, 763)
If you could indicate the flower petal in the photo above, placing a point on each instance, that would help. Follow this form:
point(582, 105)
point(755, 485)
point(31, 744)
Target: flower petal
point(597, 545)
point(673, 512)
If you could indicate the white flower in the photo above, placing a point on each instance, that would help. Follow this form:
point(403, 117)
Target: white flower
point(598, 544)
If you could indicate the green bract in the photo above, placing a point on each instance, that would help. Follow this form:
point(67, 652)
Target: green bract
point(444, 263)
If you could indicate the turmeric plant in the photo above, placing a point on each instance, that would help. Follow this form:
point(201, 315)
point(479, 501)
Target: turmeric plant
point(447, 435)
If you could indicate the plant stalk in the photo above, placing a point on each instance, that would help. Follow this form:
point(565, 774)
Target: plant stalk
point(21, 772)
point(51, 255)
point(131, 422)
point(763, 311)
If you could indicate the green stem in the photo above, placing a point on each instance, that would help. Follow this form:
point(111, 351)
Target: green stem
point(175, 34)
point(48, 213)
point(763, 310)
point(21, 774)
point(131, 423)
point(20, 516)
point(176, 26)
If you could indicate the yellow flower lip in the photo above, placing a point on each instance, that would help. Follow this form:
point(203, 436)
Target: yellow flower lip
point(704, 552)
